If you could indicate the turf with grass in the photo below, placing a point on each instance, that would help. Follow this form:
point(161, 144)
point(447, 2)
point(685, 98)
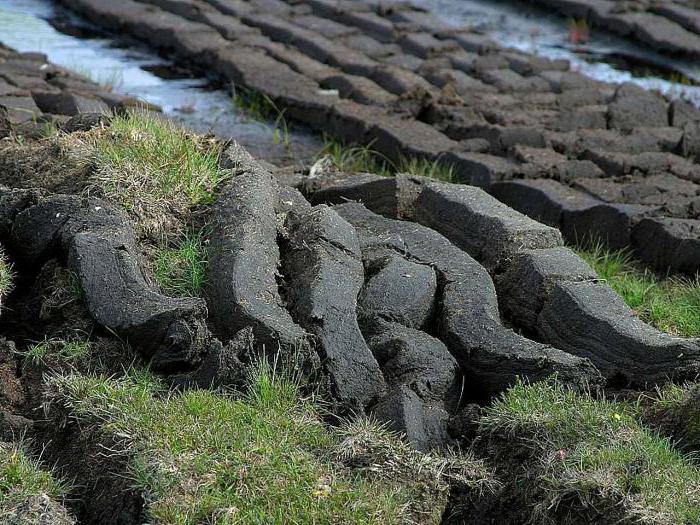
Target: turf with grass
point(154, 168)
point(671, 304)
point(262, 457)
point(28, 493)
point(583, 458)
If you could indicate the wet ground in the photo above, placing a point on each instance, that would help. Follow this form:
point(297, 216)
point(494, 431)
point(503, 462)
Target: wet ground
point(40, 25)
point(604, 57)
point(31, 25)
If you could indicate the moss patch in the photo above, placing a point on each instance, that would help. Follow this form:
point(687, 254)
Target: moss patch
point(671, 305)
point(204, 457)
point(588, 457)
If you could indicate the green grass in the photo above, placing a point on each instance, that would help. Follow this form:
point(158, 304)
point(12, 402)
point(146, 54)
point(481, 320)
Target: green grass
point(263, 457)
point(675, 411)
point(21, 478)
point(363, 159)
point(433, 169)
point(65, 289)
point(50, 130)
point(671, 305)
point(262, 108)
point(155, 169)
point(356, 158)
point(181, 270)
point(7, 275)
point(593, 454)
point(51, 351)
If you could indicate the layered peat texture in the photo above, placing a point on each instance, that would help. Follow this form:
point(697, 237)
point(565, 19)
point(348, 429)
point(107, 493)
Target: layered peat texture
point(595, 160)
point(671, 27)
point(542, 287)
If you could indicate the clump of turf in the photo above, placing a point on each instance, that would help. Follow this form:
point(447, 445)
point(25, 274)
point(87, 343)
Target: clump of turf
point(583, 460)
point(181, 269)
point(60, 163)
point(263, 457)
point(155, 169)
point(671, 305)
point(29, 494)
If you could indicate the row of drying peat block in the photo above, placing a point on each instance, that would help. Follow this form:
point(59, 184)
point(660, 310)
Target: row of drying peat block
point(671, 27)
point(35, 93)
point(611, 162)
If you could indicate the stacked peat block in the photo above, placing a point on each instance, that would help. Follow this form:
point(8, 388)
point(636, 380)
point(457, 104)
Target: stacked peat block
point(408, 304)
point(543, 288)
point(671, 27)
point(595, 160)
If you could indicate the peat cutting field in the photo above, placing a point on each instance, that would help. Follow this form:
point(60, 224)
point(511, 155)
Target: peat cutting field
point(477, 303)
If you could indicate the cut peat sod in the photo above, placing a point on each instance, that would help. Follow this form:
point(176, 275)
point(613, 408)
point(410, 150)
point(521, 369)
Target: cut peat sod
point(195, 336)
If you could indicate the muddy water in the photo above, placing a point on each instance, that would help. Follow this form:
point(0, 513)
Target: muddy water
point(604, 57)
point(28, 25)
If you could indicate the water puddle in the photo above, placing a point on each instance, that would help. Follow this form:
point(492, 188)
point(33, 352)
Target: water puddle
point(125, 66)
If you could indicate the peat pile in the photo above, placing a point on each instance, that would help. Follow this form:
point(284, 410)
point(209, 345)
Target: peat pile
point(595, 160)
point(406, 299)
point(669, 27)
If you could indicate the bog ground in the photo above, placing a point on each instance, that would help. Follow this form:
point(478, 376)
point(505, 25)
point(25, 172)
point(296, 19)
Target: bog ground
point(478, 303)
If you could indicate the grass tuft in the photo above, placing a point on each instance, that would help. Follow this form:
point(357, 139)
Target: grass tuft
point(592, 455)
point(108, 80)
point(363, 159)
point(51, 351)
point(675, 411)
point(356, 158)
point(181, 270)
point(22, 480)
point(671, 305)
point(433, 169)
point(262, 108)
point(263, 457)
point(155, 169)
point(7, 275)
